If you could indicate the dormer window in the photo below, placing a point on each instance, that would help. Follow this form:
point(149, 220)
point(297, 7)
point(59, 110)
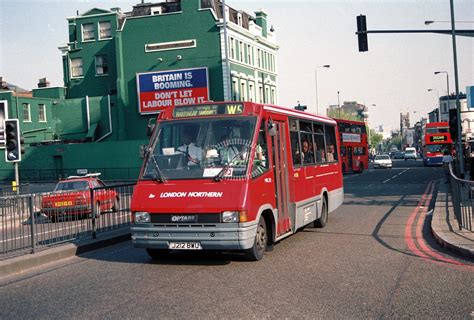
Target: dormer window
point(156, 11)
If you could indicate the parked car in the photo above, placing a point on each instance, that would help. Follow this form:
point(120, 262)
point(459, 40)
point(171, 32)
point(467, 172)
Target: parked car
point(399, 155)
point(72, 198)
point(382, 161)
point(410, 153)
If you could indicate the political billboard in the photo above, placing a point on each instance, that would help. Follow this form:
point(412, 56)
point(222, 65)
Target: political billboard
point(158, 91)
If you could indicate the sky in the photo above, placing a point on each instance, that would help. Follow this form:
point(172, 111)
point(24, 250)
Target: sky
point(392, 77)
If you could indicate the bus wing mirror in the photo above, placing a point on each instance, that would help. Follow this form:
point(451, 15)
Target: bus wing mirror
point(150, 127)
point(271, 129)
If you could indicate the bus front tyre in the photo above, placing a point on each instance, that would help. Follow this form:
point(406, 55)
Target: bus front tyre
point(323, 220)
point(255, 253)
point(157, 254)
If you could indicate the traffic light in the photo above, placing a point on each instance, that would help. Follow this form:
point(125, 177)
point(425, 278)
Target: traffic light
point(453, 124)
point(12, 141)
point(362, 33)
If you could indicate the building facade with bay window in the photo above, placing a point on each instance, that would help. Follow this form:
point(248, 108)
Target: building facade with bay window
point(119, 67)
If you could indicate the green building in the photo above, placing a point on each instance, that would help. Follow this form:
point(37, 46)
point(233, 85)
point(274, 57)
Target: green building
point(96, 122)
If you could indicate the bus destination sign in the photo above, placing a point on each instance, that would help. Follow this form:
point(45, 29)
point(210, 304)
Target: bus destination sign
point(438, 139)
point(208, 110)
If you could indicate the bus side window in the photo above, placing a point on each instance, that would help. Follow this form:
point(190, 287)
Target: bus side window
point(331, 146)
point(295, 142)
point(319, 150)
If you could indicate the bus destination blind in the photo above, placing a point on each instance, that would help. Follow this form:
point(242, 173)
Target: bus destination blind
point(208, 110)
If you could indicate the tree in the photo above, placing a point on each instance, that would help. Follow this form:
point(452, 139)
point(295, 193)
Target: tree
point(375, 138)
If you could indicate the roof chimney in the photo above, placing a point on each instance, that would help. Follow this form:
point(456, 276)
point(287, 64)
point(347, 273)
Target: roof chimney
point(43, 83)
point(3, 83)
point(261, 20)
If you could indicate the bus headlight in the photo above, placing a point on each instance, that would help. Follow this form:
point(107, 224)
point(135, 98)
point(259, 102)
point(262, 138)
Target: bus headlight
point(142, 217)
point(230, 216)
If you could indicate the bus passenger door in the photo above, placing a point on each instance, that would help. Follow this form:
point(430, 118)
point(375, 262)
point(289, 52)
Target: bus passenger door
point(280, 166)
point(349, 159)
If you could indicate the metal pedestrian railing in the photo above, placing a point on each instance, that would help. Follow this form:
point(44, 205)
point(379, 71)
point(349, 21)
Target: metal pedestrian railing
point(32, 222)
point(462, 192)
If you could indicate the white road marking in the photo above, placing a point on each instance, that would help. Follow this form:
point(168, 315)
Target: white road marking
point(396, 176)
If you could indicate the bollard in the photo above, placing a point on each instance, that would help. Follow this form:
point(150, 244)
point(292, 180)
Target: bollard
point(32, 224)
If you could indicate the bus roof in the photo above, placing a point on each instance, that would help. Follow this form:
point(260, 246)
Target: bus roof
point(246, 108)
point(350, 121)
point(437, 125)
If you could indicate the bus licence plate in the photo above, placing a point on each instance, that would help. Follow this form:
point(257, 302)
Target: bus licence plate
point(185, 246)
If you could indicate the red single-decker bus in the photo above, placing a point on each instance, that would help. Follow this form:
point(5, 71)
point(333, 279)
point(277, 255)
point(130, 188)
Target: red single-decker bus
point(234, 176)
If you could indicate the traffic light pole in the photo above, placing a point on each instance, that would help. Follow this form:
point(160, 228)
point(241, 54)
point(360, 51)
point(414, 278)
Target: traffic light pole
point(17, 178)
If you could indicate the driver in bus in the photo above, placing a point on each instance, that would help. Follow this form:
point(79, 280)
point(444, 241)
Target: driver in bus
point(191, 150)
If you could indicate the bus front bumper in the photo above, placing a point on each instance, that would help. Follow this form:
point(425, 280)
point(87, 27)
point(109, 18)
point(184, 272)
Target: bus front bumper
point(221, 236)
point(434, 161)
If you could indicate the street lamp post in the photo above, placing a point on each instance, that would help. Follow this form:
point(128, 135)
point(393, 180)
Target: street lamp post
point(316, 84)
point(338, 105)
point(439, 107)
point(456, 85)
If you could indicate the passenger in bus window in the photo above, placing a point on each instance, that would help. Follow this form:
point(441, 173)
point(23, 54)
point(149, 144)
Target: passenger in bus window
point(308, 156)
point(330, 153)
point(191, 150)
point(319, 158)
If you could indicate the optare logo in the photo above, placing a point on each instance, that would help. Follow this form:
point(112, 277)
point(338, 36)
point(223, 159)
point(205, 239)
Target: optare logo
point(180, 218)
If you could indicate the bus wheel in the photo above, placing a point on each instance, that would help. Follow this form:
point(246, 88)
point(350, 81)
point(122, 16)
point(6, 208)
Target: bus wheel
point(260, 245)
point(361, 168)
point(321, 222)
point(157, 254)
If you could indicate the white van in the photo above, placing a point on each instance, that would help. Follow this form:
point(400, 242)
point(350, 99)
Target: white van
point(410, 153)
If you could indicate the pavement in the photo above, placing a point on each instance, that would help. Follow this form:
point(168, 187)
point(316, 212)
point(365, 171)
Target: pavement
point(28, 261)
point(445, 227)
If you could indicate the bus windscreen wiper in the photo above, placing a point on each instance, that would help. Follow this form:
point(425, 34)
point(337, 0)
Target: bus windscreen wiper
point(160, 176)
point(218, 177)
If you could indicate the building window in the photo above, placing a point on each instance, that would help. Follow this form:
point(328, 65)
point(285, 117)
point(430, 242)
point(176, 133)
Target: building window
point(232, 49)
point(243, 91)
point(105, 30)
point(249, 55)
point(235, 90)
point(251, 92)
point(26, 112)
point(42, 113)
point(241, 51)
point(88, 32)
point(101, 65)
point(76, 68)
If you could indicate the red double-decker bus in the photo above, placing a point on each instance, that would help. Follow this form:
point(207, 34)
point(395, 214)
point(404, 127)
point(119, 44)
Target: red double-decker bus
point(234, 176)
point(354, 147)
point(436, 140)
